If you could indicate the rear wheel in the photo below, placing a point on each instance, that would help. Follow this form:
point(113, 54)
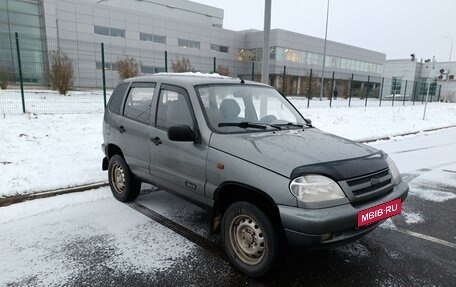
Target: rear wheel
point(250, 239)
point(124, 186)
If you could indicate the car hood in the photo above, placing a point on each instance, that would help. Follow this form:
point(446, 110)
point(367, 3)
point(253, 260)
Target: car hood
point(289, 151)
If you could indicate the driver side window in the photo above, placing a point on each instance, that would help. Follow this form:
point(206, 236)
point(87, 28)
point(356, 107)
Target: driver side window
point(173, 108)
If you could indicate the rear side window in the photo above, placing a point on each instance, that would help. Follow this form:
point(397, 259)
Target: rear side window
point(138, 103)
point(117, 98)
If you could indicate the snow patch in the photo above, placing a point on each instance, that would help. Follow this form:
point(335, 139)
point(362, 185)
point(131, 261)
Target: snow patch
point(412, 217)
point(28, 209)
point(389, 224)
point(356, 250)
point(431, 195)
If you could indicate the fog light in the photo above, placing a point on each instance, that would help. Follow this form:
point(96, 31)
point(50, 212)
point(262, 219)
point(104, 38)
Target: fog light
point(326, 236)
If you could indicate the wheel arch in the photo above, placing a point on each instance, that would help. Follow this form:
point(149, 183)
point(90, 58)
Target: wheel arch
point(230, 192)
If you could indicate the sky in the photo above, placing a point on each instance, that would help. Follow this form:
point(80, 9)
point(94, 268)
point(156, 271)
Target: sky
point(397, 28)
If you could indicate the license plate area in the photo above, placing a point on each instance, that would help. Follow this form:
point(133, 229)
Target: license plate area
point(379, 212)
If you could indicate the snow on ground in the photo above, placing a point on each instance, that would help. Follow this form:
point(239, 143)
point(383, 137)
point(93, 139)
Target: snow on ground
point(49, 248)
point(48, 151)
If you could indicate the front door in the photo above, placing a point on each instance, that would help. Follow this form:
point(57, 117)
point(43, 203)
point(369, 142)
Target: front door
point(179, 165)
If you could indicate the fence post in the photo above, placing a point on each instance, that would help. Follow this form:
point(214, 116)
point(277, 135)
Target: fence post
point(166, 61)
point(310, 88)
point(381, 92)
point(283, 79)
point(21, 79)
point(253, 71)
point(405, 93)
point(350, 91)
point(215, 64)
point(440, 88)
point(414, 91)
point(367, 90)
point(103, 73)
point(332, 89)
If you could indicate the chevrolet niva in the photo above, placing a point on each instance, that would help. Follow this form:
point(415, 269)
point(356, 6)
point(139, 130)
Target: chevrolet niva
point(244, 151)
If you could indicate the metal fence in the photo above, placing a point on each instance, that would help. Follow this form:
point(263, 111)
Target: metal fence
point(26, 85)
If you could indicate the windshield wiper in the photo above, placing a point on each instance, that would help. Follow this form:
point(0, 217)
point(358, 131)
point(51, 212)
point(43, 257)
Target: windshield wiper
point(243, 125)
point(290, 125)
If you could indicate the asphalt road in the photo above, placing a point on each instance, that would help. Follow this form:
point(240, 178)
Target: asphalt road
point(161, 240)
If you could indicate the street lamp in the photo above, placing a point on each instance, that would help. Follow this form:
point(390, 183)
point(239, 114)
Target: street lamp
point(324, 54)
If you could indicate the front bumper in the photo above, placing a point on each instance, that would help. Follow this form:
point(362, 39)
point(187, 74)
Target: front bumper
point(327, 226)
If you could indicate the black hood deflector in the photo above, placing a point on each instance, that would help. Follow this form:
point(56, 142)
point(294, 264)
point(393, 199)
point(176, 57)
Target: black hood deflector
point(345, 169)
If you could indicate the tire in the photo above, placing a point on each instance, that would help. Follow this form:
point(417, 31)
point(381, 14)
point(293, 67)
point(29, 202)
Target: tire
point(124, 186)
point(249, 238)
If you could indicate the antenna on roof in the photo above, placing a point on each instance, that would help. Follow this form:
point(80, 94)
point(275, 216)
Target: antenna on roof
point(242, 80)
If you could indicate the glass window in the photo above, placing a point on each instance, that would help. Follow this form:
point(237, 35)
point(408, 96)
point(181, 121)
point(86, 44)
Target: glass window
point(159, 39)
point(23, 7)
point(396, 85)
point(100, 30)
point(188, 43)
point(151, 69)
point(117, 98)
point(24, 19)
point(173, 109)
point(225, 106)
point(113, 32)
point(219, 48)
point(138, 103)
point(152, 38)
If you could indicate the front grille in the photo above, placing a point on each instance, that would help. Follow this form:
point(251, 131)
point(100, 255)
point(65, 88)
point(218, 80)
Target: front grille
point(368, 186)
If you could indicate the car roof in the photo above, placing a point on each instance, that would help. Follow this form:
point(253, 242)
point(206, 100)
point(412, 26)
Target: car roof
point(190, 78)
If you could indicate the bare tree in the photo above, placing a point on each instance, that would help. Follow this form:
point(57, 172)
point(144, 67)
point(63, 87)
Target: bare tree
point(61, 71)
point(127, 67)
point(5, 78)
point(223, 70)
point(181, 65)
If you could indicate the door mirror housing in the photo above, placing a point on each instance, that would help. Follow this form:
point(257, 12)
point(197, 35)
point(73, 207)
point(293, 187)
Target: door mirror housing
point(181, 134)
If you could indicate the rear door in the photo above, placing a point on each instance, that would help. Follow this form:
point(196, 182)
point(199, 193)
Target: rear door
point(178, 165)
point(134, 127)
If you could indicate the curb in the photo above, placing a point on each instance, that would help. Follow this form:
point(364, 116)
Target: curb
point(44, 194)
point(369, 140)
point(80, 188)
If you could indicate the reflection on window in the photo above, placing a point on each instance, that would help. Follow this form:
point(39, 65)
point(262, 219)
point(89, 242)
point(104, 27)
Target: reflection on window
point(219, 48)
point(188, 43)
point(151, 69)
point(173, 110)
point(139, 101)
point(107, 31)
point(152, 38)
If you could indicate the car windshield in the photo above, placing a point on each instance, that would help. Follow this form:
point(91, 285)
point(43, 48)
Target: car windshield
point(247, 108)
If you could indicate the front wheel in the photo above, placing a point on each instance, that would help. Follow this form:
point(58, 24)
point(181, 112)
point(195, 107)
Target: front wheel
point(124, 186)
point(250, 240)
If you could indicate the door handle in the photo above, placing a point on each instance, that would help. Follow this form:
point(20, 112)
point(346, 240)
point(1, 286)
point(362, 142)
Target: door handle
point(156, 140)
point(121, 129)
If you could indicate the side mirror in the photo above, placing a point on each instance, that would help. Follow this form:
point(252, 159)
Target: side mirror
point(181, 134)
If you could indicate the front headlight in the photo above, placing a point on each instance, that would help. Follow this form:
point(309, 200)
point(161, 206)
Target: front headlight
point(315, 188)
point(393, 169)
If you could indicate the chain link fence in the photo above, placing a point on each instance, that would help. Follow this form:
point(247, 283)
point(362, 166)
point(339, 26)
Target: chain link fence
point(27, 85)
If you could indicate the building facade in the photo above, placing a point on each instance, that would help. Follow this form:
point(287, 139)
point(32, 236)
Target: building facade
point(412, 78)
point(146, 29)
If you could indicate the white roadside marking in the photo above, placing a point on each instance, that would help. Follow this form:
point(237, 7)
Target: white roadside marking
point(425, 237)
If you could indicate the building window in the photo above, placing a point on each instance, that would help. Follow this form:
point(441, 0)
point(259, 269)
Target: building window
point(152, 38)
point(151, 69)
point(396, 85)
point(188, 43)
point(250, 54)
point(108, 66)
point(106, 31)
point(219, 48)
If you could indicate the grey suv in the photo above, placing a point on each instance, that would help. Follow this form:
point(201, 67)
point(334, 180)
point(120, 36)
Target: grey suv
point(242, 150)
